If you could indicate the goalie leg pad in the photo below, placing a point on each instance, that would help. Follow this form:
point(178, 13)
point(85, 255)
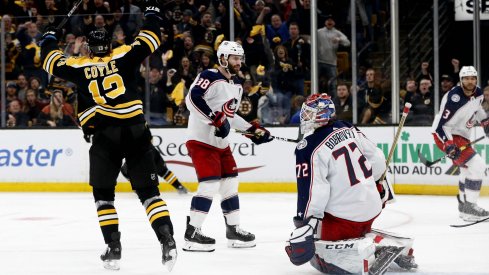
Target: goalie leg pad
point(350, 256)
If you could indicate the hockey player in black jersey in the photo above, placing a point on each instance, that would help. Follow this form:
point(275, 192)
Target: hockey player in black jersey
point(111, 111)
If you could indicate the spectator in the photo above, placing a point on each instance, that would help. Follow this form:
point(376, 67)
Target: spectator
point(446, 85)
point(13, 51)
point(343, 103)
point(277, 32)
point(299, 51)
point(297, 102)
point(159, 101)
point(206, 62)
point(186, 71)
point(425, 73)
point(411, 91)
point(272, 107)
point(283, 74)
point(376, 108)
point(134, 20)
point(329, 39)
point(485, 103)
point(57, 113)
point(423, 107)
point(11, 92)
point(301, 13)
point(35, 84)
point(32, 106)
point(30, 57)
point(248, 109)
point(15, 116)
point(22, 86)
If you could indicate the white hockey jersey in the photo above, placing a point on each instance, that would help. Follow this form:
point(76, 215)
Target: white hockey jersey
point(458, 114)
point(336, 171)
point(211, 91)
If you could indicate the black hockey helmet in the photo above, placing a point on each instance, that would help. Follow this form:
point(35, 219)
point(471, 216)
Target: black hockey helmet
point(99, 42)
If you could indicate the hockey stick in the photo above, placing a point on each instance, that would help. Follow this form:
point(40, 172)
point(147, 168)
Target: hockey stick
point(431, 163)
point(299, 138)
point(469, 224)
point(405, 113)
point(63, 22)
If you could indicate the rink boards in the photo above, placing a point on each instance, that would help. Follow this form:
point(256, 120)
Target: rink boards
point(57, 160)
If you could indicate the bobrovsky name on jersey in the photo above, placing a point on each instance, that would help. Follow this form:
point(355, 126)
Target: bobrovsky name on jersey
point(31, 156)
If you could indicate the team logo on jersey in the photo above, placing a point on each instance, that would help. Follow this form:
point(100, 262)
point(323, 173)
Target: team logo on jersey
point(230, 107)
point(471, 122)
point(302, 144)
point(455, 98)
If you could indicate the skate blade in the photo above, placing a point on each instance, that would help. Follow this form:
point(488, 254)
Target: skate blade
point(240, 244)
point(172, 260)
point(471, 218)
point(197, 247)
point(112, 264)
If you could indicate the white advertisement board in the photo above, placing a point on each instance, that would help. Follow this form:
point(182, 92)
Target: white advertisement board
point(61, 156)
point(464, 10)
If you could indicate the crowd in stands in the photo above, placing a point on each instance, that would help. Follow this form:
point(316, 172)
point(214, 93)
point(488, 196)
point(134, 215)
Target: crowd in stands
point(275, 35)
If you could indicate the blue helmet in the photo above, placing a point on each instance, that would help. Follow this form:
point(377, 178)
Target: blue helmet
point(318, 110)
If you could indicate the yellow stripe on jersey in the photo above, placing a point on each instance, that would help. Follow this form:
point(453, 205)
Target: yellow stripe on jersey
point(150, 38)
point(148, 42)
point(155, 37)
point(121, 111)
point(78, 62)
point(49, 59)
point(51, 66)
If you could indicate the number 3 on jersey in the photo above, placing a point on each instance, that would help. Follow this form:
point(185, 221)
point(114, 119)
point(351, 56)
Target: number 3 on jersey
point(112, 81)
point(351, 166)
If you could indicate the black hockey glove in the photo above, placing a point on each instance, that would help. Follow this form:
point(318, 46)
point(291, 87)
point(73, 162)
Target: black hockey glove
point(485, 126)
point(221, 123)
point(452, 150)
point(152, 8)
point(258, 134)
point(51, 33)
point(300, 247)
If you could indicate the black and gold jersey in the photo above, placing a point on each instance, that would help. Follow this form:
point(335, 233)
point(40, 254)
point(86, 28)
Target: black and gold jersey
point(107, 92)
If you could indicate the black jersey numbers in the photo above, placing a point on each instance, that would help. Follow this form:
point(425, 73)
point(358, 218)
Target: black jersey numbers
point(113, 82)
point(351, 166)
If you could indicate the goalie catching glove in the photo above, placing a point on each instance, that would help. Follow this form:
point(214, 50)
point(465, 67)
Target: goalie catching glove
point(300, 247)
point(258, 134)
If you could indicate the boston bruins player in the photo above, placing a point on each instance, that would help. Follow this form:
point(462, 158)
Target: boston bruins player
point(110, 110)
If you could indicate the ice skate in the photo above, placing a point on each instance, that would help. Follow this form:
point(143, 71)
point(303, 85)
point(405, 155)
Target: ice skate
point(112, 253)
point(195, 241)
point(168, 248)
point(460, 204)
point(238, 238)
point(471, 212)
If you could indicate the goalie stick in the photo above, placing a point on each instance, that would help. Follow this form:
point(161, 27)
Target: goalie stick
point(469, 224)
point(431, 163)
point(299, 138)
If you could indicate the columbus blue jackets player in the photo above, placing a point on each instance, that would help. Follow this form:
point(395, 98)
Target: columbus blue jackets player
point(213, 100)
point(337, 168)
point(460, 109)
point(112, 112)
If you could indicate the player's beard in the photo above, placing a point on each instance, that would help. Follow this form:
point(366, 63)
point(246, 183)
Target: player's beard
point(233, 69)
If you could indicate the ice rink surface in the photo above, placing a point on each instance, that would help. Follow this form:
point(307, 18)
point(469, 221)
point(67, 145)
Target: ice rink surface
point(58, 233)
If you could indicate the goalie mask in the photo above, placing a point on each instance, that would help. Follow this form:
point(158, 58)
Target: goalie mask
point(99, 42)
point(317, 111)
